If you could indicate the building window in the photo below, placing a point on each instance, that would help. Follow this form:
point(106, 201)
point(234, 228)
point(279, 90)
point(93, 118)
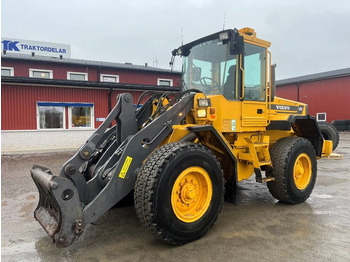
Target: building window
point(41, 73)
point(7, 71)
point(80, 116)
point(109, 78)
point(51, 115)
point(77, 76)
point(321, 116)
point(165, 82)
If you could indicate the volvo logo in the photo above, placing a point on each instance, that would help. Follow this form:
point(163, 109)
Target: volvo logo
point(279, 107)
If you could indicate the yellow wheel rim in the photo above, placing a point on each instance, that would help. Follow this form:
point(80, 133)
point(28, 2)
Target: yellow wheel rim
point(191, 194)
point(302, 171)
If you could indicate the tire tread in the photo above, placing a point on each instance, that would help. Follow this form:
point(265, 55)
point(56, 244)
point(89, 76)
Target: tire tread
point(147, 182)
point(280, 156)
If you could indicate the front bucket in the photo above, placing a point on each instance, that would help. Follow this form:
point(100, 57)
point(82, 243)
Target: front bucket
point(59, 211)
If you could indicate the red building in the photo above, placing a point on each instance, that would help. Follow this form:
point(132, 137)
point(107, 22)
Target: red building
point(55, 103)
point(327, 94)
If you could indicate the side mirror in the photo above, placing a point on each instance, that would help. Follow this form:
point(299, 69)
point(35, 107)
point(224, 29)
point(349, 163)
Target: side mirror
point(196, 74)
point(237, 44)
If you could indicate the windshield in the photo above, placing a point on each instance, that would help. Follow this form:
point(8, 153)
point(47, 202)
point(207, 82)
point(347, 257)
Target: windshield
point(210, 68)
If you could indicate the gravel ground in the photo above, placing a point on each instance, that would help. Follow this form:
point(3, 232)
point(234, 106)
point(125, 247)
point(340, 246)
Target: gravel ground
point(257, 227)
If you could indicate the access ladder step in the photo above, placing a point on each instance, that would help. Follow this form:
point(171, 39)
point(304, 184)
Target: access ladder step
point(268, 179)
point(248, 157)
point(261, 144)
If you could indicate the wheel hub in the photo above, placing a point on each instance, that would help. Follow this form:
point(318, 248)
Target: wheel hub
point(302, 171)
point(191, 194)
point(188, 193)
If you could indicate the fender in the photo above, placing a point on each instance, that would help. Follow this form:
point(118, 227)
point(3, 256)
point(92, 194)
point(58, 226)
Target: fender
point(228, 160)
point(306, 126)
point(303, 126)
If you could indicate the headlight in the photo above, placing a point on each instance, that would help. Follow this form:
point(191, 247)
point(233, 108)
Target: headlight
point(201, 113)
point(204, 102)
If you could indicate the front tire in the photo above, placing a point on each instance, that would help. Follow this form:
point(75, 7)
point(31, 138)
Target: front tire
point(179, 192)
point(294, 170)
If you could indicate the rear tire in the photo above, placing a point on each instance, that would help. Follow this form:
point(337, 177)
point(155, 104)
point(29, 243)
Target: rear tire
point(294, 170)
point(329, 132)
point(179, 192)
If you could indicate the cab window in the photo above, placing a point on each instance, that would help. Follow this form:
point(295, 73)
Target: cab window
point(228, 75)
point(254, 73)
point(212, 69)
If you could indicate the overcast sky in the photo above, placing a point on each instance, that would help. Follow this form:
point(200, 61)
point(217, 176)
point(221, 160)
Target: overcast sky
point(307, 36)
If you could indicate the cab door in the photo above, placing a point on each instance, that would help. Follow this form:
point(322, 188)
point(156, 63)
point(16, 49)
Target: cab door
point(254, 104)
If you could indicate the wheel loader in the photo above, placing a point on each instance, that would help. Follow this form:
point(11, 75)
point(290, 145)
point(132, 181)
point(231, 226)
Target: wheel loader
point(182, 153)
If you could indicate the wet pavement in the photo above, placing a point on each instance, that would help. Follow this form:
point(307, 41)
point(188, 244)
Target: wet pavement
point(257, 227)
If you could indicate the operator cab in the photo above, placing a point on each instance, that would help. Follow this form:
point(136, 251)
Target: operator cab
point(227, 63)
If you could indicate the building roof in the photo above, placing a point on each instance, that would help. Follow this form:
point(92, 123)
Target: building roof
point(81, 62)
point(313, 77)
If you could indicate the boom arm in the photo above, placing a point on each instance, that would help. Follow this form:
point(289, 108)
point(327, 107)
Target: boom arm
point(69, 201)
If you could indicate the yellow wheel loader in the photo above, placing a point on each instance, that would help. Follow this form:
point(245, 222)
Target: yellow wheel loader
point(182, 154)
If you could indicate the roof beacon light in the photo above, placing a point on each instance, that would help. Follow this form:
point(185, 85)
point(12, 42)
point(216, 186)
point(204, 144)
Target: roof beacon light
point(248, 31)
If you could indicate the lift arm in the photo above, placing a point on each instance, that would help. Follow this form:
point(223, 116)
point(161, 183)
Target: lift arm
point(70, 201)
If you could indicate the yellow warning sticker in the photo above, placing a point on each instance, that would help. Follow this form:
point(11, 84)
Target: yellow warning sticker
point(125, 167)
